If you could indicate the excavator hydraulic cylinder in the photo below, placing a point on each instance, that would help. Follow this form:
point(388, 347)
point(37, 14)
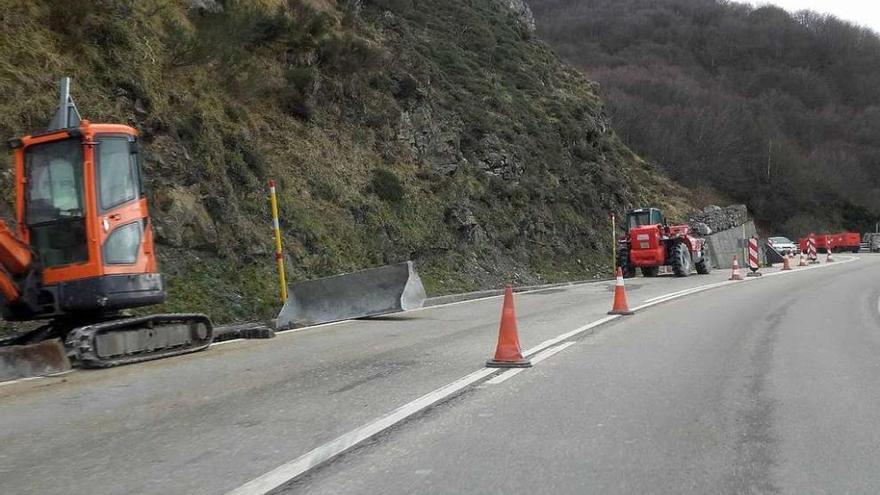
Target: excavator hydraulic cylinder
point(15, 256)
point(8, 289)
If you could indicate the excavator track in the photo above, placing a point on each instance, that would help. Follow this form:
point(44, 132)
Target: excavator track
point(137, 339)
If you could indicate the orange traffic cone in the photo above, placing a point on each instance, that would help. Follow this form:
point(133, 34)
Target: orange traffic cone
point(508, 353)
point(829, 258)
point(803, 261)
point(785, 263)
point(621, 306)
point(735, 274)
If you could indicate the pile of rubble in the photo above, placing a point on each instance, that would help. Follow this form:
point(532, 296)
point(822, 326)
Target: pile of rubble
point(715, 218)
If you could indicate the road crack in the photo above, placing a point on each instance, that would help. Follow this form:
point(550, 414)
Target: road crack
point(757, 442)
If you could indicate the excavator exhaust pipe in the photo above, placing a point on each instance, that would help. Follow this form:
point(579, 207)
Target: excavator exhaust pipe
point(25, 361)
point(372, 292)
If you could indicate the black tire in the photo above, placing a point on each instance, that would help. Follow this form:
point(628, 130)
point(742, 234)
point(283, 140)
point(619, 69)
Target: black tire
point(628, 270)
point(650, 271)
point(703, 267)
point(856, 250)
point(681, 260)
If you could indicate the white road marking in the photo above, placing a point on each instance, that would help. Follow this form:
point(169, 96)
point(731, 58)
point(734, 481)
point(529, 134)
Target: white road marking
point(312, 327)
point(222, 342)
point(284, 473)
point(567, 335)
point(535, 360)
point(31, 378)
point(670, 294)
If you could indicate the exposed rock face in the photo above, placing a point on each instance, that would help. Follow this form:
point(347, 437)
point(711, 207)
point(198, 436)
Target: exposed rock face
point(717, 219)
point(184, 222)
point(522, 9)
point(431, 142)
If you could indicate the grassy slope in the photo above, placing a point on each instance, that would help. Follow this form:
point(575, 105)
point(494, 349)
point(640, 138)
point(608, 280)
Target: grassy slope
point(434, 131)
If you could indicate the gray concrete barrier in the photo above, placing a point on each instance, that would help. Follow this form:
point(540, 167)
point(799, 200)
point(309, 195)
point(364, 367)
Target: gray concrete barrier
point(725, 244)
point(24, 361)
point(372, 292)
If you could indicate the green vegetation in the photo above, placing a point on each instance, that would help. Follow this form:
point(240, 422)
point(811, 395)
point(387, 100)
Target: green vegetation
point(396, 129)
point(775, 110)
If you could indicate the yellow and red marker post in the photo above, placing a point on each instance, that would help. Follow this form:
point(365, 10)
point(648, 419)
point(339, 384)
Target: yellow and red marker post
point(613, 243)
point(279, 256)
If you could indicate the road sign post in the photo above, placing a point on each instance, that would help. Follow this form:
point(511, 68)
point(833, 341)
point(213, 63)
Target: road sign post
point(613, 244)
point(811, 249)
point(754, 265)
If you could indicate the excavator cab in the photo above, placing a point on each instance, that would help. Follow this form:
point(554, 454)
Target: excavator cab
point(83, 247)
point(82, 211)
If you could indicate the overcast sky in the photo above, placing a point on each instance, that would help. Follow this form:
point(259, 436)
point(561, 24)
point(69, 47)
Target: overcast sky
point(863, 12)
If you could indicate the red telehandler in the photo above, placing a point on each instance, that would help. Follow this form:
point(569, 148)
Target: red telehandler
point(82, 250)
point(650, 243)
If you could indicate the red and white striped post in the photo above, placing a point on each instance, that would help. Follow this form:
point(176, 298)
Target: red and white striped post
point(753, 258)
point(811, 249)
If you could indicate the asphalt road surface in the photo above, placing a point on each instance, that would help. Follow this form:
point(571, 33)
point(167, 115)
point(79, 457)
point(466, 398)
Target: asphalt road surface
point(766, 386)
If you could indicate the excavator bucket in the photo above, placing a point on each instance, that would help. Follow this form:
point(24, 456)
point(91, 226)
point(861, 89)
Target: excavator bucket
point(24, 361)
point(376, 291)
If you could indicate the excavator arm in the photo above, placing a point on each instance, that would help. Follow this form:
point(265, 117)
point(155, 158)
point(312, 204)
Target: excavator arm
point(16, 259)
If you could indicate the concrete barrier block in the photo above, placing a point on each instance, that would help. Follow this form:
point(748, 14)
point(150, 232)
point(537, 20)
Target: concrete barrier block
point(725, 244)
point(25, 361)
point(372, 292)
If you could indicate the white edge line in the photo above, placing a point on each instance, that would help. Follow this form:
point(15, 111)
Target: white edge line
point(286, 472)
point(312, 327)
point(32, 378)
point(222, 342)
point(495, 380)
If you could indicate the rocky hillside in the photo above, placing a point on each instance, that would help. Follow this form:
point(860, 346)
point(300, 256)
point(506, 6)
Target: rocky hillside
point(442, 132)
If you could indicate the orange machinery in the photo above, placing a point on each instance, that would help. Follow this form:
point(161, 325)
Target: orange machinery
point(82, 250)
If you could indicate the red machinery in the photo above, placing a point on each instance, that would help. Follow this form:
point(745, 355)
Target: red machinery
point(840, 242)
point(651, 243)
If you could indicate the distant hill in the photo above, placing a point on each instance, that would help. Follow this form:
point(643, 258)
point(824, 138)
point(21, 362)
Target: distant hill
point(777, 110)
point(439, 131)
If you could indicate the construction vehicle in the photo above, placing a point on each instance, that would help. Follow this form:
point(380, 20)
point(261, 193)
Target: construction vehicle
point(651, 243)
point(837, 243)
point(871, 242)
point(82, 250)
point(845, 241)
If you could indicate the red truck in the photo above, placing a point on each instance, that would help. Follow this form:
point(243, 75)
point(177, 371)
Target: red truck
point(842, 241)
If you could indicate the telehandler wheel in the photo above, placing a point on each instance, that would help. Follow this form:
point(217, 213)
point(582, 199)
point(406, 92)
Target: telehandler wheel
point(681, 260)
point(650, 271)
point(703, 267)
point(628, 270)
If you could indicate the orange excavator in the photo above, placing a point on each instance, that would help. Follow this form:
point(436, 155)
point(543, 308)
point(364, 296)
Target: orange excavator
point(82, 249)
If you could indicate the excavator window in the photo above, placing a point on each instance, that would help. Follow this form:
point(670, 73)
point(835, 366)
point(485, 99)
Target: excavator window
point(55, 202)
point(118, 175)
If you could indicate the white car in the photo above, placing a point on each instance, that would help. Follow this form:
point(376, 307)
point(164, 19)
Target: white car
point(782, 245)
